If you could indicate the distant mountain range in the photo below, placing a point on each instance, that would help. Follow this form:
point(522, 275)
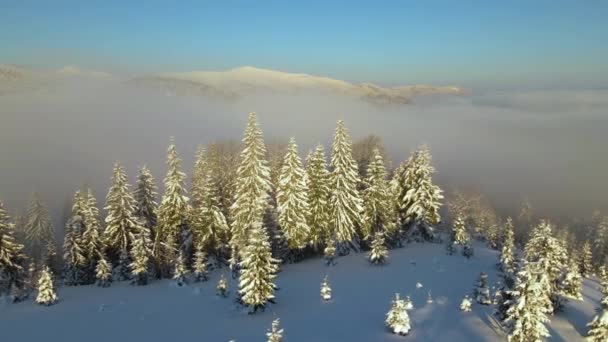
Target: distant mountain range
point(230, 85)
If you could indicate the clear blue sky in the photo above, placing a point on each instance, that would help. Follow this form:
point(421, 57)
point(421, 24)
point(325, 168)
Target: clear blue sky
point(477, 43)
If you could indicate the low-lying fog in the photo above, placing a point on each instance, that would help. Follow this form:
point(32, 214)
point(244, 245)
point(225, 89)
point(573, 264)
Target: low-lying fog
point(547, 146)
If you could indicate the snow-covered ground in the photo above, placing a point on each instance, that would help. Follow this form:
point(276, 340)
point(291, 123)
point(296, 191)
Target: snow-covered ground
point(362, 295)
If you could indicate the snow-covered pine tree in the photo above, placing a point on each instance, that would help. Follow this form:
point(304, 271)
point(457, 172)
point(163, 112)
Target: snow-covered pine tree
point(258, 269)
point(461, 237)
point(600, 242)
point(507, 256)
point(38, 227)
point(530, 305)
point(222, 287)
point(318, 197)
point(545, 250)
point(467, 250)
point(571, 282)
point(482, 292)
point(13, 274)
point(46, 291)
point(419, 199)
point(252, 187)
point(378, 206)
point(465, 305)
point(346, 203)
point(325, 289)
point(122, 271)
point(120, 221)
point(598, 328)
point(173, 231)
point(275, 333)
point(140, 256)
point(145, 194)
point(586, 265)
point(209, 225)
point(91, 239)
point(74, 257)
point(199, 267)
point(329, 253)
point(379, 253)
point(103, 272)
point(292, 199)
point(180, 269)
point(397, 319)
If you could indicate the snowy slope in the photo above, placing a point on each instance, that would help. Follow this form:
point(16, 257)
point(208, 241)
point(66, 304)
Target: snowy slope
point(361, 298)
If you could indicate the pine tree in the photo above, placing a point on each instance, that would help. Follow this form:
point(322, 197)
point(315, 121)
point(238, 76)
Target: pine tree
point(329, 253)
point(346, 203)
point(379, 253)
point(318, 197)
point(208, 222)
point(252, 188)
point(292, 199)
point(144, 195)
point(600, 242)
point(585, 266)
point(173, 212)
point(122, 271)
point(103, 272)
point(397, 318)
point(571, 281)
point(465, 305)
point(275, 333)
point(461, 237)
point(598, 328)
point(222, 287)
point(325, 289)
point(419, 199)
point(12, 260)
point(258, 269)
point(91, 239)
point(199, 267)
point(507, 256)
point(140, 256)
point(38, 227)
point(528, 310)
point(180, 270)
point(120, 221)
point(378, 208)
point(74, 257)
point(46, 291)
point(482, 292)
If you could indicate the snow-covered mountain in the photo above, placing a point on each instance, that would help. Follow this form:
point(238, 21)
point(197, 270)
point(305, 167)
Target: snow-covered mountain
point(244, 81)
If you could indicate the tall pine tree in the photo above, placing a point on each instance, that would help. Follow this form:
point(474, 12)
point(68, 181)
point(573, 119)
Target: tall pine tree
point(292, 199)
point(507, 256)
point(346, 203)
point(12, 259)
point(378, 210)
point(318, 197)
point(38, 227)
point(145, 200)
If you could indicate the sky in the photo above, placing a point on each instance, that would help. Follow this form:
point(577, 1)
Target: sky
point(493, 44)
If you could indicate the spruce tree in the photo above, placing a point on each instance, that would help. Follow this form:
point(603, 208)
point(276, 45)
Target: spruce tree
point(292, 199)
point(571, 281)
point(275, 333)
point(46, 291)
point(12, 260)
point(252, 188)
point(38, 227)
point(585, 266)
point(507, 256)
point(598, 328)
point(346, 203)
point(120, 221)
point(379, 253)
point(530, 306)
point(482, 292)
point(419, 198)
point(122, 271)
point(91, 237)
point(465, 305)
point(222, 287)
point(103, 272)
point(318, 196)
point(180, 269)
point(209, 225)
point(325, 289)
point(397, 319)
point(199, 267)
point(74, 256)
point(461, 237)
point(600, 242)
point(144, 195)
point(173, 213)
point(258, 269)
point(140, 256)
point(378, 209)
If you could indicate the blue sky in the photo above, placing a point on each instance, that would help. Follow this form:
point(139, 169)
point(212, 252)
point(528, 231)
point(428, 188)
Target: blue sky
point(476, 43)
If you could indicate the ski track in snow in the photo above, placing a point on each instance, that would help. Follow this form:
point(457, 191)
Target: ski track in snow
point(361, 297)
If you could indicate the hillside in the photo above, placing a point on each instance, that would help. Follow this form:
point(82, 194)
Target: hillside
point(162, 311)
